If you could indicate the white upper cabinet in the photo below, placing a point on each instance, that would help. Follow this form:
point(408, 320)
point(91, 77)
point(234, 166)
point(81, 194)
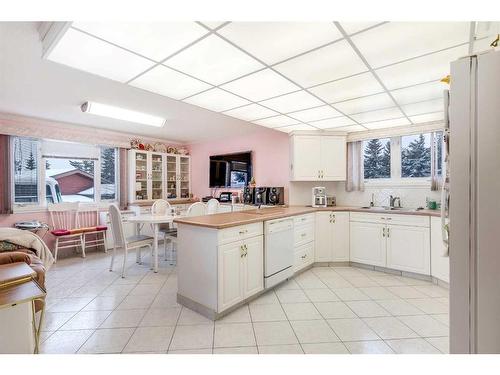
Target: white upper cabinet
point(318, 158)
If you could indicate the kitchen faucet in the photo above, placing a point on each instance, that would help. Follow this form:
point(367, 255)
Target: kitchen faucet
point(392, 201)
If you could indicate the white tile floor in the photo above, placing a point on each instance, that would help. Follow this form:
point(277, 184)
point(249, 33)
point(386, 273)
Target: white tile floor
point(323, 310)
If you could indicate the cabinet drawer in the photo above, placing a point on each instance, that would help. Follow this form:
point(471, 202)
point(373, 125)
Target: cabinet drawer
point(367, 217)
point(303, 234)
point(240, 232)
point(303, 219)
point(410, 220)
point(304, 256)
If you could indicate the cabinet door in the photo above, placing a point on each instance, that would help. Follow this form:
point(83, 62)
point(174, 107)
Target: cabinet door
point(183, 176)
point(140, 175)
point(367, 243)
point(333, 158)
point(230, 277)
point(408, 249)
point(340, 243)
point(171, 176)
point(303, 256)
point(253, 266)
point(323, 237)
point(306, 152)
point(156, 175)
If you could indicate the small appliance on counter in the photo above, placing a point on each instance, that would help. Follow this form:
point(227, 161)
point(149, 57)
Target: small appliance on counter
point(318, 196)
point(248, 194)
point(260, 195)
point(275, 196)
point(225, 197)
point(331, 201)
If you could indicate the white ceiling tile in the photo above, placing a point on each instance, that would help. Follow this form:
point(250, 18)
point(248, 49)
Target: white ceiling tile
point(348, 88)
point(424, 107)
point(428, 117)
point(261, 85)
point(382, 114)
point(292, 102)
point(276, 121)
point(214, 60)
point(332, 122)
point(213, 24)
point(419, 93)
point(313, 114)
point(387, 123)
point(367, 103)
point(350, 129)
point(165, 81)
point(272, 42)
point(335, 61)
point(155, 40)
point(397, 41)
point(423, 69)
point(251, 112)
point(354, 27)
point(291, 128)
point(216, 100)
point(84, 52)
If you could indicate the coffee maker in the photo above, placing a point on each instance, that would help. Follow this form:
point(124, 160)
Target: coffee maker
point(318, 196)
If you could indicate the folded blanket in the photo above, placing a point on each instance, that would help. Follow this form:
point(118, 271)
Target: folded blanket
point(28, 240)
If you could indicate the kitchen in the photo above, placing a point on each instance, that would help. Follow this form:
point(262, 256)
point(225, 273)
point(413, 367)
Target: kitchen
point(297, 179)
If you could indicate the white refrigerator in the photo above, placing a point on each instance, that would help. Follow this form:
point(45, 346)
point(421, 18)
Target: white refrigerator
point(474, 209)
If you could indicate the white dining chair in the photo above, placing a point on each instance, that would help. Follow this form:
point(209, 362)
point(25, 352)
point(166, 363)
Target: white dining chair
point(163, 207)
point(213, 206)
point(129, 243)
point(197, 209)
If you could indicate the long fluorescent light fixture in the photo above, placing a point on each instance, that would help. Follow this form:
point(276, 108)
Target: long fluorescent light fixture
point(122, 114)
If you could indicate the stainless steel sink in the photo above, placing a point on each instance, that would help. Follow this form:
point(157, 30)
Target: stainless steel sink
point(386, 208)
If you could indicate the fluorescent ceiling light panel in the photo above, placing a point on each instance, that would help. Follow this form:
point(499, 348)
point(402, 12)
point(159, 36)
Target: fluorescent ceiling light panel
point(313, 114)
point(354, 27)
point(291, 128)
point(214, 60)
point(382, 114)
point(165, 81)
point(350, 129)
point(335, 61)
point(387, 123)
point(420, 93)
point(428, 117)
point(423, 69)
point(293, 102)
point(348, 88)
point(156, 40)
point(216, 100)
point(261, 85)
point(276, 121)
point(397, 41)
point(365, 104)
point(332, 123)
point(424, 107)
point(110, 111)
point(251, 112)
point(84, 52)
point(272, 42)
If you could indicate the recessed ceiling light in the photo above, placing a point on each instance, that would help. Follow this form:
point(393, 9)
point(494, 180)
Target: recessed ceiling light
point(105, 110)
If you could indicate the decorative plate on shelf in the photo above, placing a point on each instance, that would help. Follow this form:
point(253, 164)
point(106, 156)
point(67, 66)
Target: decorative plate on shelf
point(160, 147)
point(148, 147)
point(134, 143)
point(171, 150)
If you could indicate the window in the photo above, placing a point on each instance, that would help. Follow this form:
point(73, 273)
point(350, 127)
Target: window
point(25, 170)
point(377, 158)
point(71, 172)
point(416, 155)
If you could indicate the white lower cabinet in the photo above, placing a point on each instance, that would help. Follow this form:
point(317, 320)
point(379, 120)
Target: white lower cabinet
point(367, 242)
point(408, 249)
point(304, 256)
point(440, 264)
point(241, 271)
point(303, 243)
point(332, 236)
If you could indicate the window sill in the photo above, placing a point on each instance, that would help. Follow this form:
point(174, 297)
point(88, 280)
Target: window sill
point(402, 182)
point(102, 206)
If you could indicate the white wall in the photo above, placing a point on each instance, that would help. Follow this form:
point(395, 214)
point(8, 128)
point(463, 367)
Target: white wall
point(411, 196)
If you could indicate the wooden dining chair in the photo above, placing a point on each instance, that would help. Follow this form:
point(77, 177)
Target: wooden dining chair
point(65, 227)
point(129, 243)
point(87, 219)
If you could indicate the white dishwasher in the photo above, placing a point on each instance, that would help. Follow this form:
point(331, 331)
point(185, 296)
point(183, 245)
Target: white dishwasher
point(278, 251)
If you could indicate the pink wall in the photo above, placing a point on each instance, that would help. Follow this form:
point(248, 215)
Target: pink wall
point(270, 155)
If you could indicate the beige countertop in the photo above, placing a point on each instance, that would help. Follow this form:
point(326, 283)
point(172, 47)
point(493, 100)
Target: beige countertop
point(232, 219)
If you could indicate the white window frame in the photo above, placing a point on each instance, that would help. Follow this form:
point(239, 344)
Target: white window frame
point(396, 180)
point(41, 206)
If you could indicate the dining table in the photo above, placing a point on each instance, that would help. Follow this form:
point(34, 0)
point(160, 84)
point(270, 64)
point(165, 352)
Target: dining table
point(155, 221)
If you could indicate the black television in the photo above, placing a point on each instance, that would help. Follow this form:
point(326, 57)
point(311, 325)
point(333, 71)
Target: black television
point(231, 170)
